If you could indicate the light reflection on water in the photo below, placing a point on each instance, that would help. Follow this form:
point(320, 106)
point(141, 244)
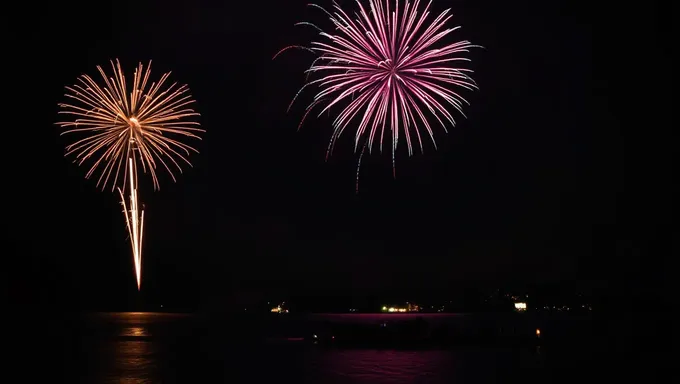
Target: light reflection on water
point(378, 366)
point(135, 332)
point(133, 363)
point(129, 354)
point(134, 353)
point(156, 348)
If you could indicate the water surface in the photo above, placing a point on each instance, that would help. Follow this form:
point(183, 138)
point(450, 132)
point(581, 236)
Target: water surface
point(171, 348)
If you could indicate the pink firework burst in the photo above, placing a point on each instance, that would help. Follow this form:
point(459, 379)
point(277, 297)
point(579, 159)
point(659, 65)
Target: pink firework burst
point(387, 70)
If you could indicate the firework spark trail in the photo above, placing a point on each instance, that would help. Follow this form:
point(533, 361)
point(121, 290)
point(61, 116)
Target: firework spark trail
point(387, 68)
point(134, 218)
point(122, 128)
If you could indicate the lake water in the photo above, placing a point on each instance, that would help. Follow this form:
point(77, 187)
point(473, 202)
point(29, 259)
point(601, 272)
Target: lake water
point(140, 348)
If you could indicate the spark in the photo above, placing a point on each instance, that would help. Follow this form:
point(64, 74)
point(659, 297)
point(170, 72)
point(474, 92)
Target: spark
point(134, 218)
point(388, 69)
point(122, 128)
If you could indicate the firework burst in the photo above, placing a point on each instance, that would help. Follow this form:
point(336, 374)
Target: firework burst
point(122, 129)
point(388, 69)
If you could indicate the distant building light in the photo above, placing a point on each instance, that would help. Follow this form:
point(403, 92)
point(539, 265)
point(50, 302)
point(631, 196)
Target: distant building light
point(409, 308)
point(279, 309)
point(520, 306)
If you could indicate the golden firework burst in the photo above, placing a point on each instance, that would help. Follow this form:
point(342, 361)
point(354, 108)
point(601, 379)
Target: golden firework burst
point(117, 123)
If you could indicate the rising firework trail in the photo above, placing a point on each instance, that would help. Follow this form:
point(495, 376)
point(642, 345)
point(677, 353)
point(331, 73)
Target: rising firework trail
point(134, 218)
point(387, 69)
point(124, 129)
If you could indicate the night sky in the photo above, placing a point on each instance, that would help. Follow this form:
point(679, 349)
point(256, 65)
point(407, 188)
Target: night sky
point(559, 174)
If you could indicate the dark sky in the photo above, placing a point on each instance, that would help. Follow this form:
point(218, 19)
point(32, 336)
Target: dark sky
point(560, 172)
